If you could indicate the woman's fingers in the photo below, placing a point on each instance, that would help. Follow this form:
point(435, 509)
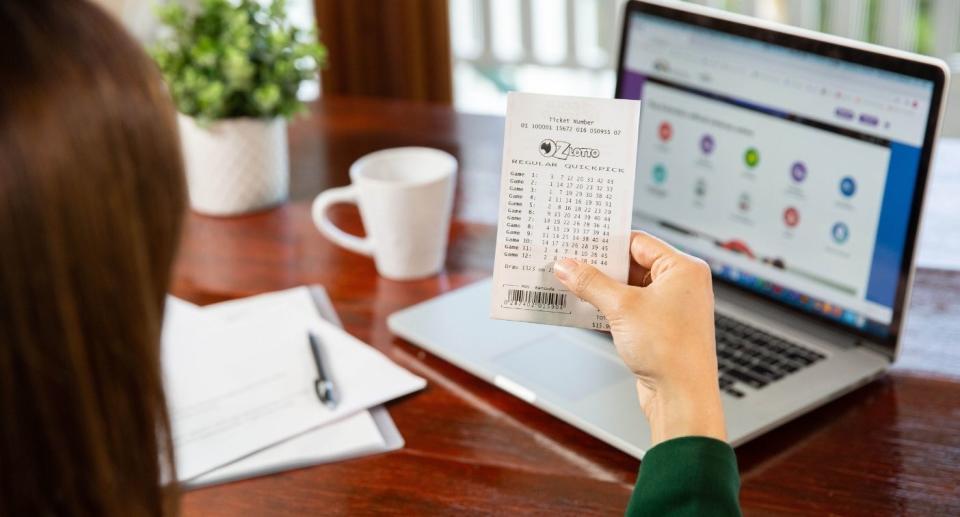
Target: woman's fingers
point(588, 283)
point(647, 250)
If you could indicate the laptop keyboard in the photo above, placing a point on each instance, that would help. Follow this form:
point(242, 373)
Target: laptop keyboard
point(749, 356)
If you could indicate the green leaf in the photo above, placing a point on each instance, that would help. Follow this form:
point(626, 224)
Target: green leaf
point(267, 97)
point(237, 69)
point(171, 14)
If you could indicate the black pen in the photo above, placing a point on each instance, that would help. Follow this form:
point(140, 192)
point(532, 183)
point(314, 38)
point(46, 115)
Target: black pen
point(324, 383)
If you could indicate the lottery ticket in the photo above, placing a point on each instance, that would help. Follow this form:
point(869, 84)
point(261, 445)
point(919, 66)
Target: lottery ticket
point(566, 190)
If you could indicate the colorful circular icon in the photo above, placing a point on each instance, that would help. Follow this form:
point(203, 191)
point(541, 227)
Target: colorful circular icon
point(700, 188)
point(744, 202)
point(659, 173)
point(707, 144)
point(848, 186)
point(791, 217)
point(665, 131)
point(840, 232)
point(798, 171)
point(751, 157)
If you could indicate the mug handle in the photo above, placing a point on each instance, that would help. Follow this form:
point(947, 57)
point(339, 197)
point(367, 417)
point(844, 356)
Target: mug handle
point(322, 203)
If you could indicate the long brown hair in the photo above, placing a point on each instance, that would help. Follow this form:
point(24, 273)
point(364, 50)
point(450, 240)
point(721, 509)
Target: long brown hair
point(91, 202)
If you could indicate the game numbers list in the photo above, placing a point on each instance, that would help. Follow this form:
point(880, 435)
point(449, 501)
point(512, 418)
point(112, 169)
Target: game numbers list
point(552, 215)
point(566, 191)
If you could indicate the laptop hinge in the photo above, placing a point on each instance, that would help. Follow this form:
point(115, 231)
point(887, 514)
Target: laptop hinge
point(770, 312)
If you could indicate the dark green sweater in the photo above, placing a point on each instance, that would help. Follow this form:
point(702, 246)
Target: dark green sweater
point(693, 475)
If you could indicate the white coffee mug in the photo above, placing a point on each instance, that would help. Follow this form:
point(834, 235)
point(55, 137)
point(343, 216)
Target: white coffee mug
point(405, 196)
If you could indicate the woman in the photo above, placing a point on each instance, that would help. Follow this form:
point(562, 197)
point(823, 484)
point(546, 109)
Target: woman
point(91, 200)
point(663, 331)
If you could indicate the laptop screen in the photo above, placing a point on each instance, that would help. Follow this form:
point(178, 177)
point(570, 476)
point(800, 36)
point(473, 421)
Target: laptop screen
point(791, 173)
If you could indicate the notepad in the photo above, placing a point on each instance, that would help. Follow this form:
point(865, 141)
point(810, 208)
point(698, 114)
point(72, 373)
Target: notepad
point(244, 386)
point(362, 434)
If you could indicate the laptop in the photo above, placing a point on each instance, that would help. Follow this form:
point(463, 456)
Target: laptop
point(791, 161)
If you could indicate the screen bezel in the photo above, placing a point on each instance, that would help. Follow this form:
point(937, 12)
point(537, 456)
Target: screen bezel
point(871, 58)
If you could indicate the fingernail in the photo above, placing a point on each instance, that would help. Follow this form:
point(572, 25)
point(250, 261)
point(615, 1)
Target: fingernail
point(564, 268)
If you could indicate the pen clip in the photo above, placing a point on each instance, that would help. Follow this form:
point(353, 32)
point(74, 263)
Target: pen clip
point(325, 393)
point(321, 389)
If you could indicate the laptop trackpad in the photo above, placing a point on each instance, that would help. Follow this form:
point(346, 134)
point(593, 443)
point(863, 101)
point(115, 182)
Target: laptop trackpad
point(561, 366)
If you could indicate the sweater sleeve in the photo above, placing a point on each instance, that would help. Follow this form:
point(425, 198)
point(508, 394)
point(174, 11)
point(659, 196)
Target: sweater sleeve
point(692, 475)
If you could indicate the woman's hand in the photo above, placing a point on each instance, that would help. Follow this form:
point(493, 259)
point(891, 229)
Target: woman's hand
point(663, 330)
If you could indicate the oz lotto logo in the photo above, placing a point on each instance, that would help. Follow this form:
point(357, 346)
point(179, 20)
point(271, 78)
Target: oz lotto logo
point(563, 150)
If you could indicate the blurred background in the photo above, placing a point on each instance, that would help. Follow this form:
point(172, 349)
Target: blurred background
point(471, 52)
point(570, 46)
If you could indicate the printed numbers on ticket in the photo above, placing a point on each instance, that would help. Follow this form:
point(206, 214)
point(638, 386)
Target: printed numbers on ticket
point(566, 191)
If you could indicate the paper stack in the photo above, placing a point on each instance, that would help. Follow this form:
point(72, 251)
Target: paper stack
point(240, 384)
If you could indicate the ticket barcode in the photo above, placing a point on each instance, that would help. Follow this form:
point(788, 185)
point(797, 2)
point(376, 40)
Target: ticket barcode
point(543, 299)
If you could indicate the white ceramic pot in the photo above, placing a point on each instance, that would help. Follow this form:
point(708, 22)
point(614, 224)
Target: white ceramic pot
point(236, 165)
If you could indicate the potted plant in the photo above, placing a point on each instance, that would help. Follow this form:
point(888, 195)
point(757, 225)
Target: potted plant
point(233, 68)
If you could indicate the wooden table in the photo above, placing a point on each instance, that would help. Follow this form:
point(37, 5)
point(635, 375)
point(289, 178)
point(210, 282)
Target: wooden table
point(891, 447)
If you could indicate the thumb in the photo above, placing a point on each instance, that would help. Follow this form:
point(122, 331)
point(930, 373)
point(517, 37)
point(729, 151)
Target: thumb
point(589, 283)
point(647, 250)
